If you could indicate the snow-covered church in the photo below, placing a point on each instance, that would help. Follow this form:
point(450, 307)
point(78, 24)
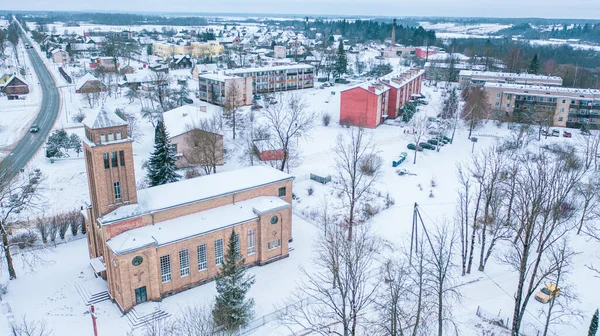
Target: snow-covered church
point(154, 242)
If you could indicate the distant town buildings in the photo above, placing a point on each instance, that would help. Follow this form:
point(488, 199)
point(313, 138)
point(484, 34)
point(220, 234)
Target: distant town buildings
point(218, 88)
point(210, 49)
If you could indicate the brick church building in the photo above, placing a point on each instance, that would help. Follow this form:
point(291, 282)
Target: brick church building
point(154, 242)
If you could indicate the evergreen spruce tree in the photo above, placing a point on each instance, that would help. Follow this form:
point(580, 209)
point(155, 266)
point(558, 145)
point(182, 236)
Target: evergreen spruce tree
point(232, 309)
point(161, 165)
point(341, 65)
point(534, 66)
point(594, 325)
point(182, 94)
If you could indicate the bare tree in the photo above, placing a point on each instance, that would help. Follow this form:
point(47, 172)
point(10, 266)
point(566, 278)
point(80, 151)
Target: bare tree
point(205, 143)
point(16, 196)
point(476, 107)
point(440, 270)
point(392, 301)
point(32, 328)
point(543, 213)
point(358, 168)
point(559, 309)
point(335, 297)
point(287, 120)
point(420, 126)
point(160, 82)
point(588, 194)
point(134, 129)
point(588, 147)
point(465, 198)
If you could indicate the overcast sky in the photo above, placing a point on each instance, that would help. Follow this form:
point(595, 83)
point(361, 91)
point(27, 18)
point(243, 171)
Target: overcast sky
point(588, 9)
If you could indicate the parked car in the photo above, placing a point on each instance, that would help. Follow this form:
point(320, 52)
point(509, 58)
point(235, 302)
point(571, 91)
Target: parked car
point(34, 128)
point(545, 133)
point(422, 102)
point(567, 134)
point(555, 133)
point(426, 145)
point(412, 146)
point(188, 100)
point(435, 142)
point(547, 293)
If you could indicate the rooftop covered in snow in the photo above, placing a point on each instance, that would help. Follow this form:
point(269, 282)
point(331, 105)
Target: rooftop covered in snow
point(174, 230)
point(508, 75)
point(103, 118)
point(594, 93)
point(180, 120)
point(271, 68)
point(86, 78)
point(197, 189)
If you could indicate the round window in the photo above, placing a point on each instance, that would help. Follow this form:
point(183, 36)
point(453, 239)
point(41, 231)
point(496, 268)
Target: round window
point(274, 220)
point(137, 261)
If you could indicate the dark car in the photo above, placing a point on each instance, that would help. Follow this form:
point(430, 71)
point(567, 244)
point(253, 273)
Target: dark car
point(567, 134)
point(188, 100)
point(412, 146)
point(34, 128)
point(426, 145)
point(555, 133)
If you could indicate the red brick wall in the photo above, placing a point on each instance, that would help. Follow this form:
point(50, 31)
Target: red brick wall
point(359, 107)
point(392, 102)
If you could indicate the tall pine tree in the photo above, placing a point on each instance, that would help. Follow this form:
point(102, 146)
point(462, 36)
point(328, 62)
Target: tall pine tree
point(534, 66)
point(232, 309)
point(594, 325)
point(161, 165)
point(341, 65)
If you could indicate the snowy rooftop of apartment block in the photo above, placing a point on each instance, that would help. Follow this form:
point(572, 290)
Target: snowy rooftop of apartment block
point(196, 189)
point(555, 89)
point(507, 75)
point(186, 117)
point(401, 81)
point(271, 68)
point(173, 230)
point(219, 76)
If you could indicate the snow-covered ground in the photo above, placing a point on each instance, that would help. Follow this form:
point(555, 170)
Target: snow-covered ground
point(453, 30)
point(59, 303)
point(557, 42)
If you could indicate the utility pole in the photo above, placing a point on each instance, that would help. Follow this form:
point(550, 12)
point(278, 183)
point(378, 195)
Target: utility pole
point(93, 314)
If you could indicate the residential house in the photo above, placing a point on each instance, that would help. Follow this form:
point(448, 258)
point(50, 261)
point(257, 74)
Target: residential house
point(13, 86)
point(181, 62)
point(188, 135)
point(89, 84)
point(59, 56)
point(199, 68)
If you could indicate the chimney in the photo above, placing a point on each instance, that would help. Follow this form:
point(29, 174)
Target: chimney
point(393, 33)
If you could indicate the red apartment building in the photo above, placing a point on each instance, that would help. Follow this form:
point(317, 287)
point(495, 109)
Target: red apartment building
point(402, 87)
point(365, 105)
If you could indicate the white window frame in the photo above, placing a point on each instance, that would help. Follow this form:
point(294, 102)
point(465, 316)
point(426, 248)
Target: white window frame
point(184, 263)
point(165, 268)
point(274, 244)
point(218, 252)
point(251, 242)
point(202, 264)
point(117, 190)
point(236, 241)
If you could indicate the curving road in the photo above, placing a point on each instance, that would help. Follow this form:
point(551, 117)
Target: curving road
point(30, 143)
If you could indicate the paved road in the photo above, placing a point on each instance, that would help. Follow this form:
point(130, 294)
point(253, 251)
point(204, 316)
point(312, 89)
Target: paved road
point(30, 143)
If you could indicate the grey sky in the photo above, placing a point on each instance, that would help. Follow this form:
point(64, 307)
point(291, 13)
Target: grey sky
point(589, 9)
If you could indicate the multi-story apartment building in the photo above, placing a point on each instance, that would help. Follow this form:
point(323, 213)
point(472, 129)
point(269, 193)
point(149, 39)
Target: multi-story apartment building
point(364, 105)
point(570, 107)
point(278, 78)
point(216, 88)
point(210, 49)
point(154, 242)
point(403, 87)
point(471, 77)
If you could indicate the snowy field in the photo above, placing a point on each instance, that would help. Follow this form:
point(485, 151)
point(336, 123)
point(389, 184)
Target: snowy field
point(452, 30)
point(556, 42)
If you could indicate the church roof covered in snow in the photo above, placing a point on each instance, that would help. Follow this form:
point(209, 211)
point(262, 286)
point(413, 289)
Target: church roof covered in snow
point(194, 190)
point(173, 230)
point(103, 118)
